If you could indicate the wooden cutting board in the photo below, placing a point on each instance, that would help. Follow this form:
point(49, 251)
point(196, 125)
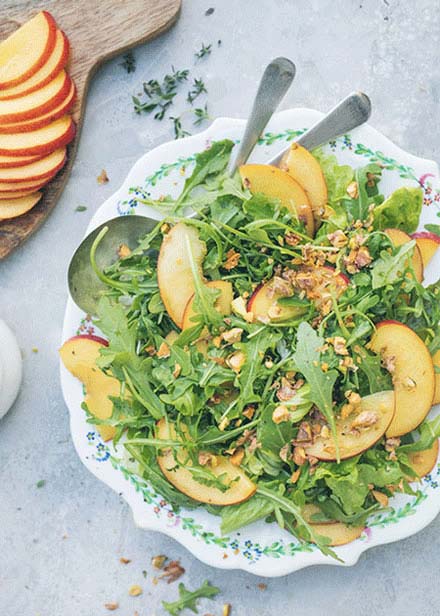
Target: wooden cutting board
point(97, 30)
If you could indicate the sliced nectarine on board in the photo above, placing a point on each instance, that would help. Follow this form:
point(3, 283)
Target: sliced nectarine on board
point(17, 161)
point(222, 304)
point(399, 237)
point(174, 273)
point(263, 304)
point(36, 103)
point(359, 431)
point(38, 170)
point(424, 461)
point(303, 167)
point(17, 187)
point(436, 362)
point(410, 364)
point(428, 244)
point(79, 355)
point(25, 126)
point(41, 141)
point(176, 468)
point(338, 533)
point(27, 49)
point(278, 184)
point(12, 208)
point(50, 69)
point(8, 196)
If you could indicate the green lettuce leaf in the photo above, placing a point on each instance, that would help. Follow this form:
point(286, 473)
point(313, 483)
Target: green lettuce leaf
point(401, 210)
point(337, 177)
point(389, 268)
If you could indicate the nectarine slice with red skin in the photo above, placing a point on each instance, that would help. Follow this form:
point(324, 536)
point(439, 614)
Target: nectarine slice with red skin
point(38, 170)
point(13, 208)
point(174, 273)
point(79, 355)
point(172, 464)
point(17, 187)
point(263, 303)
point(413, 374)
point(338, 532)
point(12, 196)
point(362, 429)
point(303, 167)
point(428, 244)
point(26, 126)
point(399, 237)
point(41, 141)
point(50, 69)
point(17, 161)
point(278, 184)
point(25, 51)
point(36, 103)
point(424, 461)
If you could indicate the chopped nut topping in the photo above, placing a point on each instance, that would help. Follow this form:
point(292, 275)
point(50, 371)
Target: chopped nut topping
point(224, 424)
point(237, 457)
point(365, 419)
point(111, 606)
point(339, 345)
point(123, 251)
point(177, 370)
point(295, 476)
point(158, 561)
point(102, 177)
point(304, 432)
point(353, 398)
point(268, 364)
point(286, 391)
point(363, 257)
point(233, 335)
point(291, 239)
point(163, 351)
point(392, 443)
point(381, 498)
point(236, 361)
point(249, 411)
point(338, 239)
point(284, 451)
point(280, 414)
point(205, 458)
point(135, 590)
point(279, 286)
point(353, 190)
point(347, 410)
point(299, 455)
point(172, 571)
point(232, 259)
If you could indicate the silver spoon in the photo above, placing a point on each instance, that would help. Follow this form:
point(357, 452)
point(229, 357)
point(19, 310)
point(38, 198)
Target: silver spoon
point(85, 287)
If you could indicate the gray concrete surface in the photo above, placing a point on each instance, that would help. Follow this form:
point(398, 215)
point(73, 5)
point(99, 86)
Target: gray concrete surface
point(60, 544)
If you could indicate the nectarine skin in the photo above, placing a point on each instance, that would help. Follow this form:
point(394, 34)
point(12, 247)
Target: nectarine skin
point(38, 170)
point(41, 141)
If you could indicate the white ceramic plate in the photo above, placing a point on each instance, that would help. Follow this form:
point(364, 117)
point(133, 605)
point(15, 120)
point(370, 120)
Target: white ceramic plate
point(262, 549)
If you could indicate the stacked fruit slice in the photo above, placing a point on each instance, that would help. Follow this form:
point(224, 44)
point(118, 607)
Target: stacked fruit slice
point(36, 94)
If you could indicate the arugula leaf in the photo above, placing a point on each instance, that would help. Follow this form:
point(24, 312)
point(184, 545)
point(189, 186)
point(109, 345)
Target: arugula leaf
point(401, 210)
point(307, 358)
point(366, 178)
point(370, 365)
point(390, 268)
point(428, 432)
point(237, 516)
point(188, 599)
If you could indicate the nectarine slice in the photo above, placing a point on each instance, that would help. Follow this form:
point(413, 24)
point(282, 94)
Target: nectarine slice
point(303, 167)
point(359, 431)
point(174, 273)
point(79, 355)
point(278, 184)
point(27, 49)
point(424, 461)
point(264, 305)
point(412, 370)
point(16, 187)
point(223, 302)
point(49, 165)
point(26, 126)
point(436, 362)
point(17, 161)
point(428, 244)
point(41, 141)
point(50, 69)
point(338, 533)
point(7, 195)
point(176, 468)
point(36, 103)
point(12, 208)
point(399, 237)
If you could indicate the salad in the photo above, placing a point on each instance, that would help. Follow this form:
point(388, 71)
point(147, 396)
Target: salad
point(272, 357)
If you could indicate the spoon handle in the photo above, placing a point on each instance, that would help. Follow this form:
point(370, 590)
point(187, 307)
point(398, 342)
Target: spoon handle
point(348, 114)
point(274, 84)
